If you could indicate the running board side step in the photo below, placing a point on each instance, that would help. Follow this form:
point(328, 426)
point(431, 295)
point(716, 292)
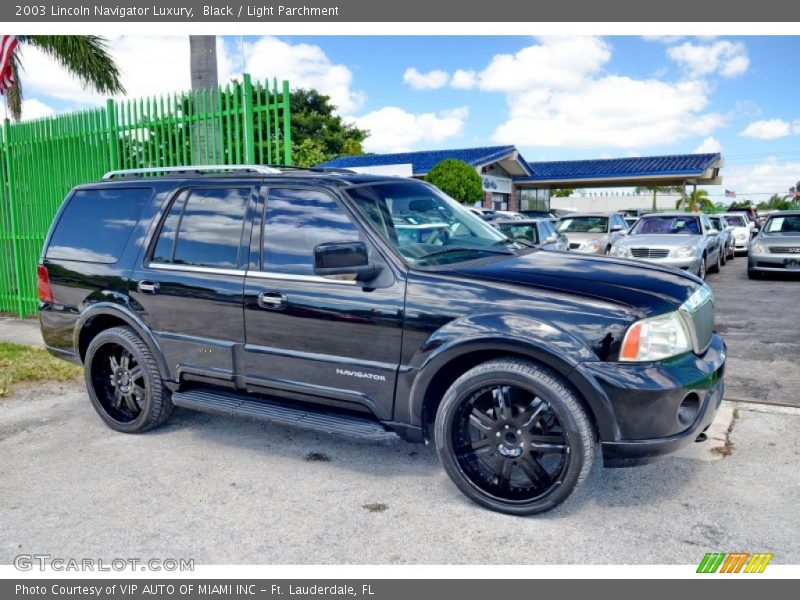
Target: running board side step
point(235, 405)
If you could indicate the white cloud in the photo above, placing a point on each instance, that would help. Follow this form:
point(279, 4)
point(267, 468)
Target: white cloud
point(432, 80)
point(709, 145)
point(767, 129)
point(771, 176)
point(464, 80)
point(306, 66)
point(35, 109)
point(160, 64)
point(729, 59)
point(393, 129)
point(553, 62)
point(612, 111)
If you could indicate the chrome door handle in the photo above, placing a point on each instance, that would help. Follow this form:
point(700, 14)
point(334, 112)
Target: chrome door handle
point(148, 287)
point(272, 300)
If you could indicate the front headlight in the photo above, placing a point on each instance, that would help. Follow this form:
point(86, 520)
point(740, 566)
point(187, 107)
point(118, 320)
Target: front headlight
point(656, 338)
point(683, 252)
point(758, 247)
point(741, 235)
point(621, 251)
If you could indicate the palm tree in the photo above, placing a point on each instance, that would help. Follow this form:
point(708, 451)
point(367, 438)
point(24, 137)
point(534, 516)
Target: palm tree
point(85, 56)
point(696, 198)
point(656, 189)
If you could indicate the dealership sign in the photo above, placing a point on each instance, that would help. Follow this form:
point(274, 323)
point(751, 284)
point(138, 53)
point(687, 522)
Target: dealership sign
point(497, 185)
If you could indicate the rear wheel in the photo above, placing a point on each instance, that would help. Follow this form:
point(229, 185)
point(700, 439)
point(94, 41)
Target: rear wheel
point(514, 437)
point(124, 382)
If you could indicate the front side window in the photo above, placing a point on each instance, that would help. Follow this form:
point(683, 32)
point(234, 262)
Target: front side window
point(203, 228)
point(96, 224)
point(297, 220)
point(424, 225)
point(667, 225)
point(583, 225)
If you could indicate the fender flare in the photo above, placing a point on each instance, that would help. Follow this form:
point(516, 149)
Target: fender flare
point(537, 350)
point(131, 319)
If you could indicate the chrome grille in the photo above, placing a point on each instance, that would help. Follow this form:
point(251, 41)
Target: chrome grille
point(703, 319)
point(784, 249)
point(649, 253)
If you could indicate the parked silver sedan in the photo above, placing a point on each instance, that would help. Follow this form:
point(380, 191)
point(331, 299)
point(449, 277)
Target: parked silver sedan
point(776, 249)
point(592, 233)
point(538, 233)
point(725, 236)
point(685, 241)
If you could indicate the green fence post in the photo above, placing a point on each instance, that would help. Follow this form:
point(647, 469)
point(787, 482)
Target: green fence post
point(287, 126)
point(111, 125)
point(13, 213)
point(248, 131)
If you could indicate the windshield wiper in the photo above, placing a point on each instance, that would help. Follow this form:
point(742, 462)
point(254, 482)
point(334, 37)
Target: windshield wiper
point(465, 249)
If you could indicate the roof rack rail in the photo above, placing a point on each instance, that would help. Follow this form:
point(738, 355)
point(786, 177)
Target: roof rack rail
point(313, 169)
point(262, 169)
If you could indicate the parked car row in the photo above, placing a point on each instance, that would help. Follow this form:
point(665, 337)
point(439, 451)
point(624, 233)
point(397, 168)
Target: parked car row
point(776, 248)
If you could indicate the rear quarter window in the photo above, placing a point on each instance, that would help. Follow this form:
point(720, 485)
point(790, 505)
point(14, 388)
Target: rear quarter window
point(96, 224)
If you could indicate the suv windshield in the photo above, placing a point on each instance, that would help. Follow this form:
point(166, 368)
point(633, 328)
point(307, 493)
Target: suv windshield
point(583, 225)
point(426, 226)
point(667, 225)
point(788, 225)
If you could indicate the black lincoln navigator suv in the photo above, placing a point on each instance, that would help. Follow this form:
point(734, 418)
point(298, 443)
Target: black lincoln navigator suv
point(371, 307)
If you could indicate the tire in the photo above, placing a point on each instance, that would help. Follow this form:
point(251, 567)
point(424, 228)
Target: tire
point(124, 382)
point(731, 253)
point(717, 266)
point(723, 256)
point(489, 461)
point(701, 273)
point(751, 274)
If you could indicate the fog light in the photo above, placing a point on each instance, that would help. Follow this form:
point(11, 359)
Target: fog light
point(687, 411)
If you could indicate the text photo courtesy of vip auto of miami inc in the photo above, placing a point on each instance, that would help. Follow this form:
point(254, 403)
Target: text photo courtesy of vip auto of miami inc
point(292, 299)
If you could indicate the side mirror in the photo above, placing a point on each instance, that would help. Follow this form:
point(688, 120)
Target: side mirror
point(550, 239)
point(344, 260)
point(616, 227)
point(713, 232)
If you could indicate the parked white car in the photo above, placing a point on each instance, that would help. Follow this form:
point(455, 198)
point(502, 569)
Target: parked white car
point(741, 232)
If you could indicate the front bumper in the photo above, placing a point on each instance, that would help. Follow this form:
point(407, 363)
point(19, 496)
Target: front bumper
point(661, 406)
point(779, 263)
point(685, 264)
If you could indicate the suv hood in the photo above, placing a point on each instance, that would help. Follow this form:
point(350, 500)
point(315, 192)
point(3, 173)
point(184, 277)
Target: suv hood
point(649, 289)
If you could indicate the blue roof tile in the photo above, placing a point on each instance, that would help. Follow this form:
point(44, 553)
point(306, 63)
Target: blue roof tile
point(424, 161)
point(676, 164)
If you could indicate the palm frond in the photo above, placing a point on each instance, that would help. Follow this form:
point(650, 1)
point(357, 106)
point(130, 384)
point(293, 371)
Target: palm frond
point(85, 56)
point(14, 94)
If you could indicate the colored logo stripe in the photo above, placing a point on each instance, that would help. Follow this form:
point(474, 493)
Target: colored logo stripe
point(734, 562)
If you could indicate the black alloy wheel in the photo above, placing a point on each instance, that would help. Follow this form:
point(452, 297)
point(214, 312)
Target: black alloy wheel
point(124, 382)
point(514, 437)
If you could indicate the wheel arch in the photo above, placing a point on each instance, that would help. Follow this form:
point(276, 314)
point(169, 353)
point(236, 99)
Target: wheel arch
point(105, 315)
point(440, 372)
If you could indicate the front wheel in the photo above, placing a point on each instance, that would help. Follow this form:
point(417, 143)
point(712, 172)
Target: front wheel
point(514, 437)
point(124, 382)
point(701, 271)
point(717, 266)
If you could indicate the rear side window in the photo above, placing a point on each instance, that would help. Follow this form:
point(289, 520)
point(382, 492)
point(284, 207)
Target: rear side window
point(96, 224)
point(203, 228)
point(296, 221)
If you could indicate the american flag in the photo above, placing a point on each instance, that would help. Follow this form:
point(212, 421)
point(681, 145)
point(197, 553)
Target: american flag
point(7, 45)
point(730, 194)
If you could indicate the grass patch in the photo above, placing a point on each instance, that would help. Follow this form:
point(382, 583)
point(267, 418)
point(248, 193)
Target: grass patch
point(25, 363)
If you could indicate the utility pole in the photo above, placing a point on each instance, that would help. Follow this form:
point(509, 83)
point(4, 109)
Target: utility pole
point(206, 133)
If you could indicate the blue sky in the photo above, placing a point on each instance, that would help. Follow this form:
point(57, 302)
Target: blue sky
point(554, 98)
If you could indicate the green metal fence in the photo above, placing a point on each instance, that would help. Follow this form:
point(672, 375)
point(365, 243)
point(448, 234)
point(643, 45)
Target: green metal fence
point(41, 160)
